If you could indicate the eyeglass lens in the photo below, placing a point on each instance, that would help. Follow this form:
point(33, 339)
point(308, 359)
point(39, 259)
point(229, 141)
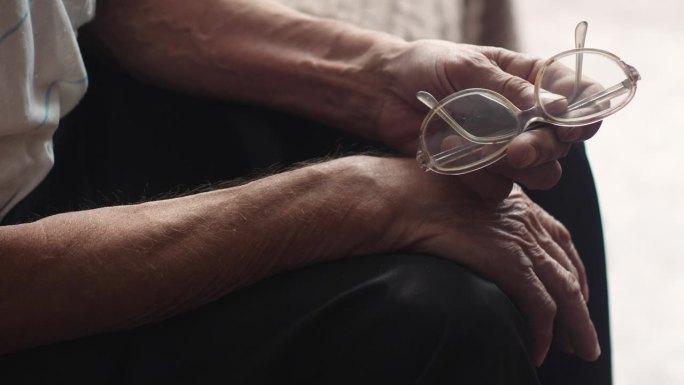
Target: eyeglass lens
point(601, 87)
point(471, 127)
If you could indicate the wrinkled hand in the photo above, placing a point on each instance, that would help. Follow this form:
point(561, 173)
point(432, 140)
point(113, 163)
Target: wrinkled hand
point(443, 68)
point(514, 243)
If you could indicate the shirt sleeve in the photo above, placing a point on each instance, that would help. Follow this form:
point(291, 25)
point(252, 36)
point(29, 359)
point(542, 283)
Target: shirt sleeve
point(42, 77)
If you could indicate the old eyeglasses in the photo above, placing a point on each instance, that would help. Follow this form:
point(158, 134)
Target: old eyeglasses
point(471, 129)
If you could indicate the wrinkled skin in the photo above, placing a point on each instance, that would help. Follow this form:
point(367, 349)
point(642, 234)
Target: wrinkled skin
point(443, 68)
point(514, 243)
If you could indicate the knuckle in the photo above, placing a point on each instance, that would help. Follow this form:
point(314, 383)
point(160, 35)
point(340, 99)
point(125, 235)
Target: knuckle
point(572, 288)
point(520, 232)
point(562, 233)
point(476, 68)
point(520, 265)
point(538, 254)
point(548, 309)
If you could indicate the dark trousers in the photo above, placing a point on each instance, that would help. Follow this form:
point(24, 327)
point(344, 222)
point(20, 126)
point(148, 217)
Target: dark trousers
point(378, 319)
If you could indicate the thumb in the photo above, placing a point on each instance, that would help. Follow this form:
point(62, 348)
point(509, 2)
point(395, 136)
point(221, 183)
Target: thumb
point(516, 89)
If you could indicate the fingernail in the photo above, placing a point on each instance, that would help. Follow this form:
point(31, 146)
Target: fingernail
point(597, 351)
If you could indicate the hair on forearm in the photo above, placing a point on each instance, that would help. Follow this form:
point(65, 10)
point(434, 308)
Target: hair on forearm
point(277, 168)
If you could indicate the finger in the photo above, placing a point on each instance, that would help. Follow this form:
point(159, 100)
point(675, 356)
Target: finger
point(535, 147)
point(514, 63)
point(518, 90)
point(572, 312)
point(541, 177)
point(562, 237)
point(486, 72)
point(530, 295)
point(553, 249)
point(404, 137)
point(561, 256)
point(562, 340)
point(577, 134)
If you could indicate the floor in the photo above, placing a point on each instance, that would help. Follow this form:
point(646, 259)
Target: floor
point(637, 158)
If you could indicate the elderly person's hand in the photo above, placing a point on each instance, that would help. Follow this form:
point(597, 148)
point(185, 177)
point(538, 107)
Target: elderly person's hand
point(514, 243)
point(443, 68)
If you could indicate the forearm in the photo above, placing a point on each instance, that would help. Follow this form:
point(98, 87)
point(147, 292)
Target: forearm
point(255, 51)
point(114, 268)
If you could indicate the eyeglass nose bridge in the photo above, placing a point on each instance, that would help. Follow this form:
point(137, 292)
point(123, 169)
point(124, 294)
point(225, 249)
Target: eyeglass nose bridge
point(528, 118)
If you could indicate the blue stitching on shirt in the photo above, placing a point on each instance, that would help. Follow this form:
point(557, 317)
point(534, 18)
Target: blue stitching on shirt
point(49, 92)
point(21, 22)
point(14, 29)
point(3, 37)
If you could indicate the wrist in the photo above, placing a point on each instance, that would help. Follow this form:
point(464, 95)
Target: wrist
point(346, 214)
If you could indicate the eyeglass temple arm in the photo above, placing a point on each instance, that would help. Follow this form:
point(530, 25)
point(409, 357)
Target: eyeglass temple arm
point(580, 38)
point(605, 95)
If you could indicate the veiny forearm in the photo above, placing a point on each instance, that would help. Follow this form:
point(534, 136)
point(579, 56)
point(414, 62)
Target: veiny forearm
point(113, 268)
point(257, 51)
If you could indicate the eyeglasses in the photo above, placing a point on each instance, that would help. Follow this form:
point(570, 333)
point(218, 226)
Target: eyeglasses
point(472, 128)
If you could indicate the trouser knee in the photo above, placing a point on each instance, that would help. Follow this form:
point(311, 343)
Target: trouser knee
point(415, 320)
point(477, 334)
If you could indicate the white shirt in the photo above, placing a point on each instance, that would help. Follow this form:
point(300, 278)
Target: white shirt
point(42, 77)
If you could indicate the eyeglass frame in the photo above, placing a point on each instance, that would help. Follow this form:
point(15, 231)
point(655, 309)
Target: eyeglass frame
point(531, 116)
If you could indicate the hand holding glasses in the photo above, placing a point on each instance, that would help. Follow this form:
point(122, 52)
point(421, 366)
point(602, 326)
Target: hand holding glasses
point(472, 128)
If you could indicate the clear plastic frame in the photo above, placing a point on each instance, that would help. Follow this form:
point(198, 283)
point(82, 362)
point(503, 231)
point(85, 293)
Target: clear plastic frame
point(471, 129)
